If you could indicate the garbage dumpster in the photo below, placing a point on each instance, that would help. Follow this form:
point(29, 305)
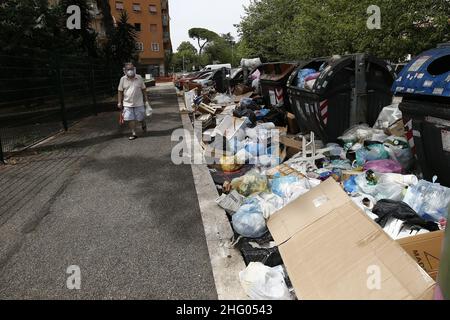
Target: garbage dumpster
point(329, 95)
point(273, 81)
point(424, 85)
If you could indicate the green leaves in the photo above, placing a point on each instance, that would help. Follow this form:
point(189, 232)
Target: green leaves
point(298, 29)
point(201, 34)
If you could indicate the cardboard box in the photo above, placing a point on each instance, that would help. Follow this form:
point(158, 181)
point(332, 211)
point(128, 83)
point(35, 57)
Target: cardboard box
point(397, 129)
point(291, 141)
point(426, 249)
point(292, 124)
point(333, 250)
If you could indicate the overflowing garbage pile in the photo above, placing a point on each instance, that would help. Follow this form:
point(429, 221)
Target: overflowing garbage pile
point(277, 185)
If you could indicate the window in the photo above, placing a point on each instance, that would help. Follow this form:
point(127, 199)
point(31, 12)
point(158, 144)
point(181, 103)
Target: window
point(155, 47)
point(139, 46)
point(152, 9)
point(137, 26)
point(153, 28)
point(119, 5)
point(136, 7)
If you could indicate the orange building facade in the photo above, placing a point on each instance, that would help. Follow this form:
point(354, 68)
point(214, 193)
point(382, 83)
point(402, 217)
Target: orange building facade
point(152, 21)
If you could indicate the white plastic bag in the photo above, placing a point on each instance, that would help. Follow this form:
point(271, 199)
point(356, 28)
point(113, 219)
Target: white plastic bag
point(148, 109)
point(388, 116)
point(264, 283)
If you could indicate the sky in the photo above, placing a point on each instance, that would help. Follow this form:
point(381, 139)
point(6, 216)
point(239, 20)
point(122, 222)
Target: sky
point(216, 15)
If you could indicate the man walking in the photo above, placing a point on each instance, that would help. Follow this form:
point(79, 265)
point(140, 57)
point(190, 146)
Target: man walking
point(132, 99)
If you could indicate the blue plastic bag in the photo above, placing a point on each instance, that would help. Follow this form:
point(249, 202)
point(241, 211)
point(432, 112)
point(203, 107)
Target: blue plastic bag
point(278, 185)
point(371, 153)
point(350, 185)
point(249, 220)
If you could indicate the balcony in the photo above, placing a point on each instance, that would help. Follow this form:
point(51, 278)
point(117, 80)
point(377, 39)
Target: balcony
point(165, 20)
point(166, 36)
point(164, 4)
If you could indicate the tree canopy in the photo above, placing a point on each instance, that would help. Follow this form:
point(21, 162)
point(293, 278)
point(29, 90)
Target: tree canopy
point(201, 34)
point(297, 29)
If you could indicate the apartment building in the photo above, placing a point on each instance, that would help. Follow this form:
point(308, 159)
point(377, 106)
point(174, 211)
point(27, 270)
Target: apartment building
point(152, 22)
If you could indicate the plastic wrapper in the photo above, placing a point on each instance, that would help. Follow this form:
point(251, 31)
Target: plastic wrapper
point(429, 200)
point(252, 182)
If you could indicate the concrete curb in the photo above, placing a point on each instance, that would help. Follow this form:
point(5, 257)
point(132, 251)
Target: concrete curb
point(226, 262)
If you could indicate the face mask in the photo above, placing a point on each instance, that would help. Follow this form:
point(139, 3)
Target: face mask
point(130, 73)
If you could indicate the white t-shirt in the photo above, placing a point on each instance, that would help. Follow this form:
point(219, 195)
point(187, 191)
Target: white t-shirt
point(132, 91)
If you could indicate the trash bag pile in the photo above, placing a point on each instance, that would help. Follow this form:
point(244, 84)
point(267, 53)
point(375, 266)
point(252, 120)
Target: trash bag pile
point(260, 168)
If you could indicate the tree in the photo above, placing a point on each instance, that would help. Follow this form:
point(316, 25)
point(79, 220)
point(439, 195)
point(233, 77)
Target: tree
point(263, 27)
point(220, 49)
point(43, 28)
point(186, 46)
point(123, 44)
point(201, 34)
point(185, 58)
point(299, 29)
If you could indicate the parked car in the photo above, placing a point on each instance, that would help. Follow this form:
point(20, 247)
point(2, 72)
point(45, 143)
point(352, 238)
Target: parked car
point(205, 80)
point(189, 77)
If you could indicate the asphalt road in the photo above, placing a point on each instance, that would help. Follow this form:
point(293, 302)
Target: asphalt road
point(122, 212)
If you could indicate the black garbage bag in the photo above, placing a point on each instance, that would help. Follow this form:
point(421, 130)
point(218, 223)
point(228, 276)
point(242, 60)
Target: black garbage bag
point(386, 209)
point(276, 116)
point(243, 112)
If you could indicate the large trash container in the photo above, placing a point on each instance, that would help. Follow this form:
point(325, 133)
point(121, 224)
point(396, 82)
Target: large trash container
point(273, 81)
point(424, 85)
point(344, 91)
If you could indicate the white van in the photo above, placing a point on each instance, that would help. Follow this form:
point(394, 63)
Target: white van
point(216, 66)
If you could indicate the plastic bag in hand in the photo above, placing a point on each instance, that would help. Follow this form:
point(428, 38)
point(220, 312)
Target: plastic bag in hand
point(148, 109)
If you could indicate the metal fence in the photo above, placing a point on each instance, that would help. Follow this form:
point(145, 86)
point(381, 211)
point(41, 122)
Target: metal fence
point(40, 96)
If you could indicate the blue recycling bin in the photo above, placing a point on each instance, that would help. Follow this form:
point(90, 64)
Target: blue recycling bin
point(424, 85)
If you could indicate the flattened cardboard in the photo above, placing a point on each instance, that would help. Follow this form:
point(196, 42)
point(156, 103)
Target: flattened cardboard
point(333, 250)
point(426, 250)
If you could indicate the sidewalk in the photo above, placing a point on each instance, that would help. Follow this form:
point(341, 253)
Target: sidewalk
point(120, 210)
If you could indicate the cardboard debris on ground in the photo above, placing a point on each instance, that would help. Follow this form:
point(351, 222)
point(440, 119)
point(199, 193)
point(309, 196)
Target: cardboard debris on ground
point(426, 249)
point(231, 202)
point(206, 109)
point(283, 170)
point(238, 98)
point(292, 124)
point(242, 89)
point(333, 250)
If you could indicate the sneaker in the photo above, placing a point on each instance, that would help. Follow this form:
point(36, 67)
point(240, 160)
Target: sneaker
point(133, 137)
